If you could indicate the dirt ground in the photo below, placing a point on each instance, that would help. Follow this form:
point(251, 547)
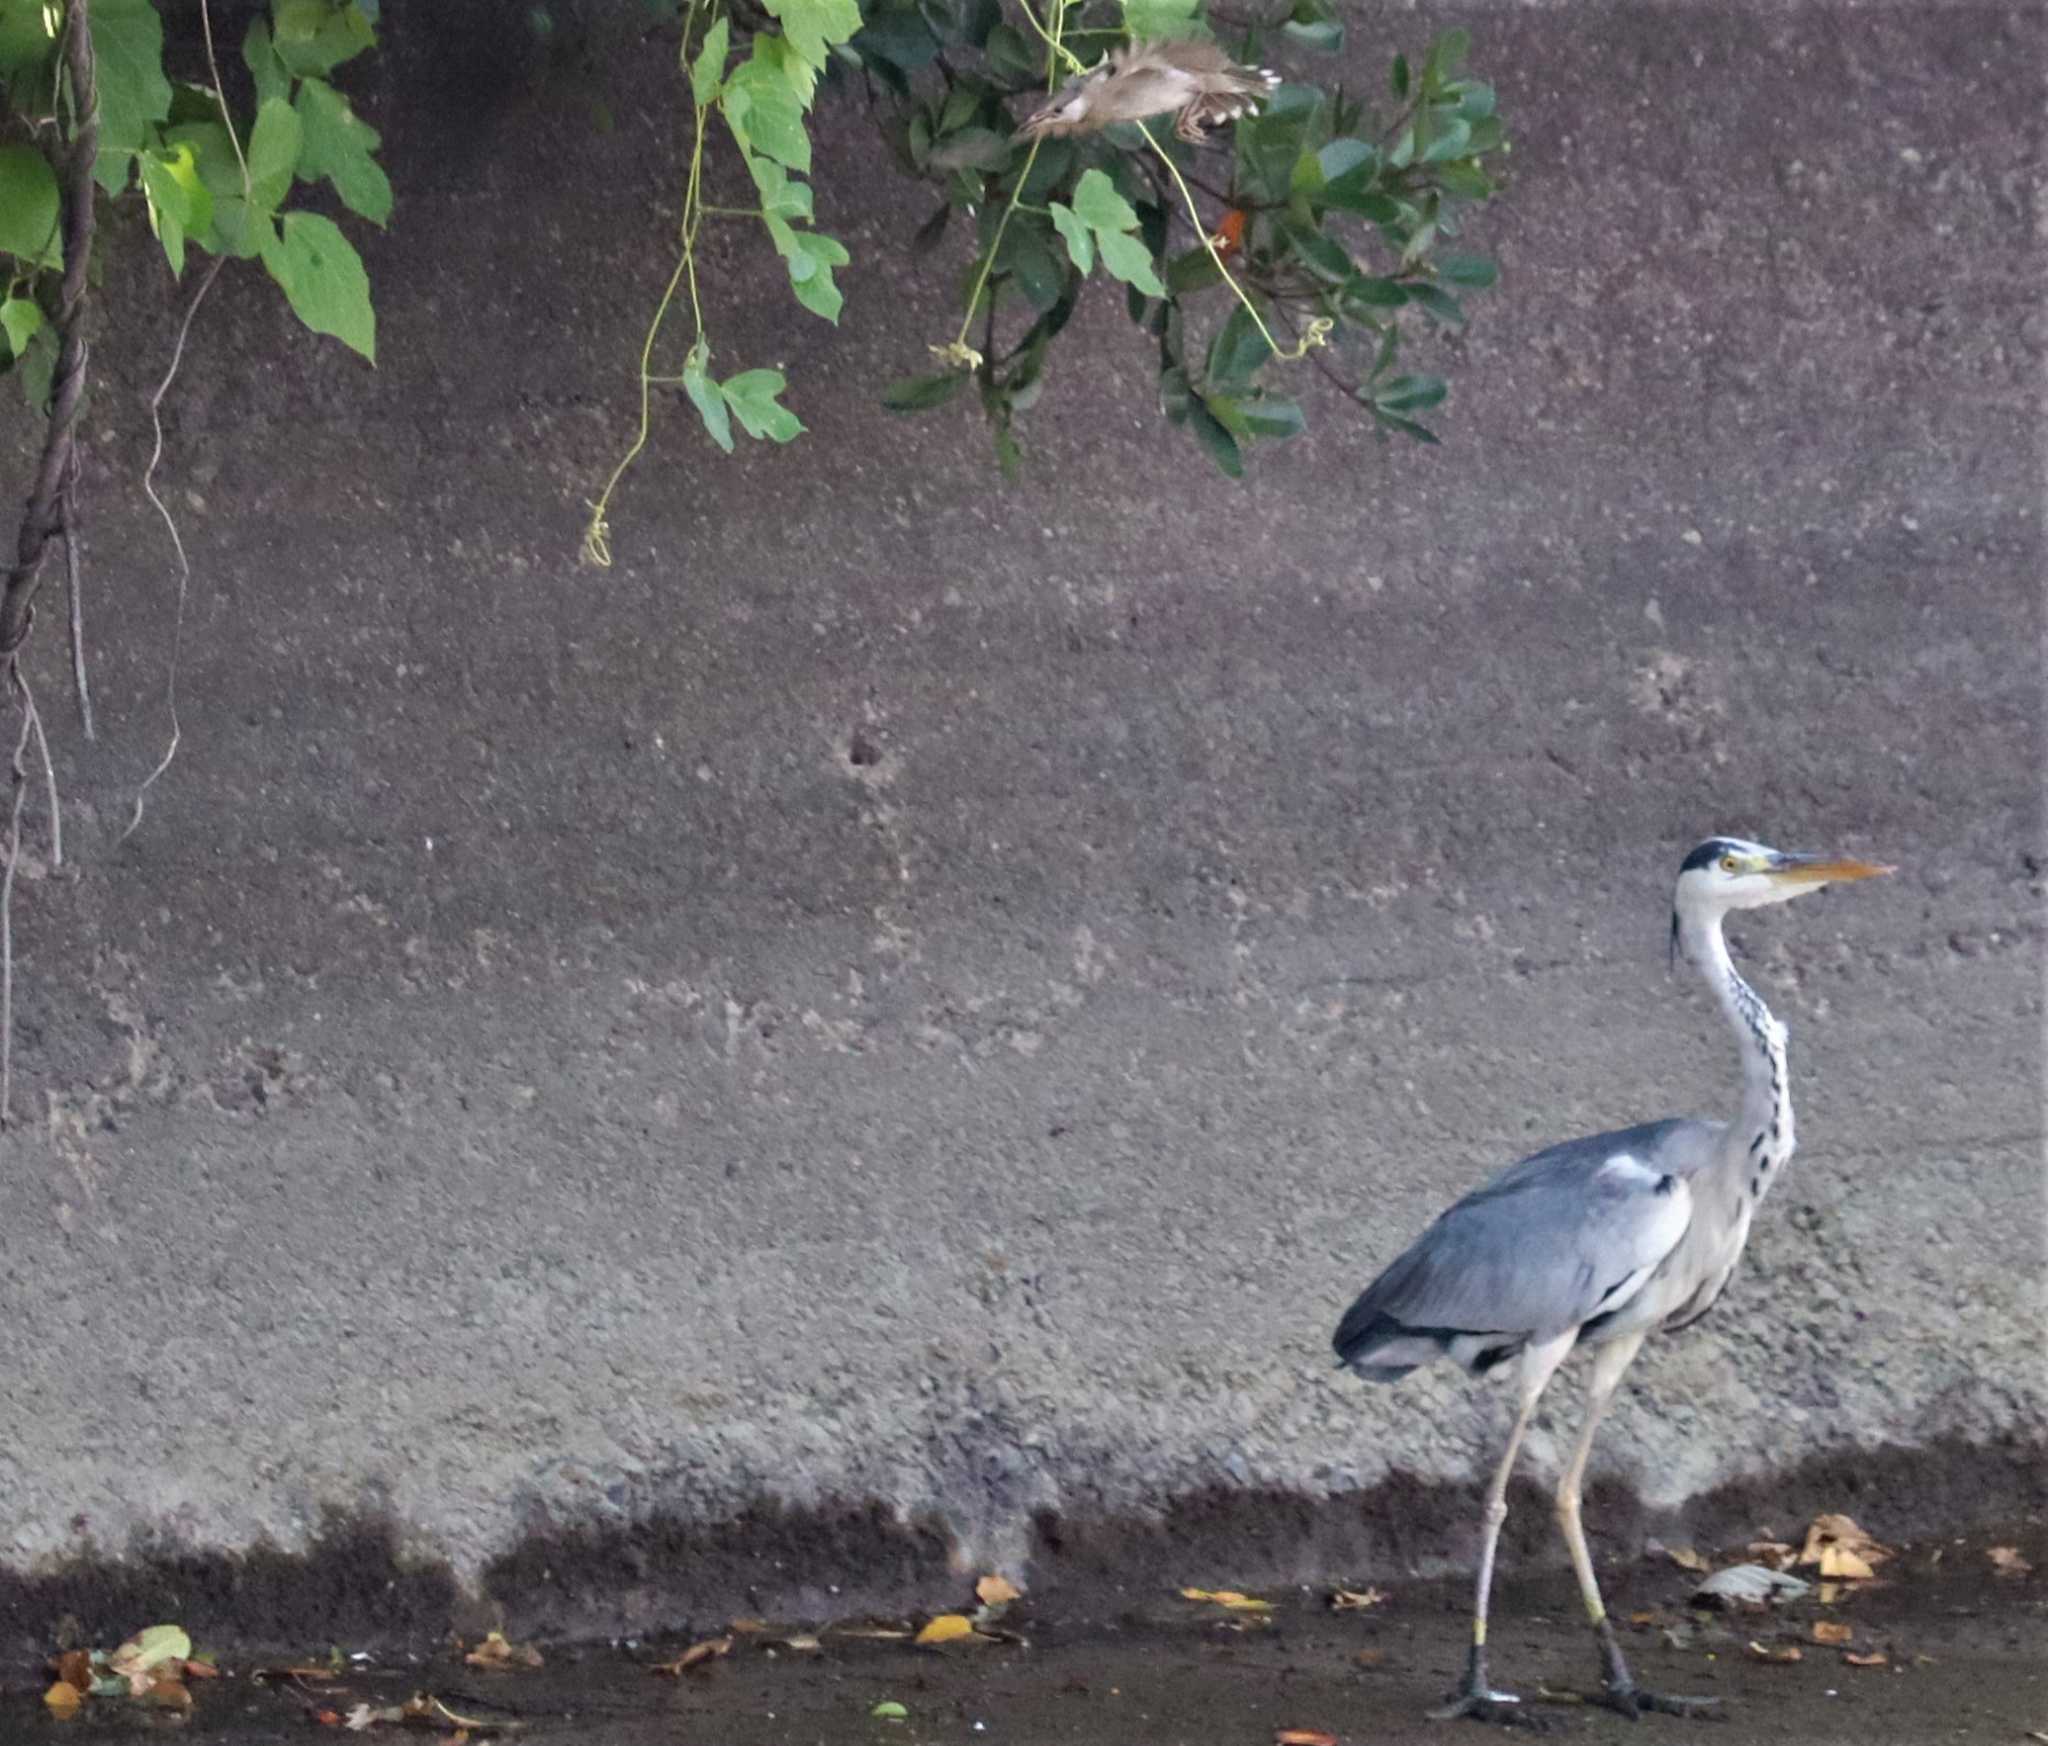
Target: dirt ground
point(1966, 1659)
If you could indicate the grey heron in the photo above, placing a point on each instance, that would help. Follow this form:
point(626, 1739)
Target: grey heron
point(1600, 1241)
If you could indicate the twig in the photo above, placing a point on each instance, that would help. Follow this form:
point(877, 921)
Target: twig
point(39, 518)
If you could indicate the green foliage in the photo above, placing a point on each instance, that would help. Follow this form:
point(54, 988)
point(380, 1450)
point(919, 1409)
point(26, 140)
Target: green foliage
point(170, 144)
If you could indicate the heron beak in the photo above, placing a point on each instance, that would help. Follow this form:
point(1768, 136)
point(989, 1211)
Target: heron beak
point(1810, 872)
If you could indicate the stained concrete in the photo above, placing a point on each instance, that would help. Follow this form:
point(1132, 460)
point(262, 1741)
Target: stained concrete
point(530, 1073)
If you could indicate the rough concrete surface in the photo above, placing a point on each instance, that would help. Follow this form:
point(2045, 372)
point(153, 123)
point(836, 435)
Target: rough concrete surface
point(915, 1003)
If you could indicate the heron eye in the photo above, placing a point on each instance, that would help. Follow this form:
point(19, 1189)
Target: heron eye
point(1730, 864)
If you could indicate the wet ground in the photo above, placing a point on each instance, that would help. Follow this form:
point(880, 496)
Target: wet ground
point(1965, 1659)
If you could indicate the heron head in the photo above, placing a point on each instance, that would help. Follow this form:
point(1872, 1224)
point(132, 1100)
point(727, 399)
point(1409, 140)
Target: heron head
point(1725, 873)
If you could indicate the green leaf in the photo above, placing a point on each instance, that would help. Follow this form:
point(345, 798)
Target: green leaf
point(179, 204)
point(28, 207)
point(1440, 303)
point(338, 146)
point(922, 393)
point(707, 71)
point(810, 256)
point(780, 197)
point(1011, 58)
point(1474, 272)
point(316, 36)
point(1446, 55)
point(1129, 260)
point(1320, 254)
point(889, 1711)
point(1372, 293)
point(1397, 76)
point(1273, 418)
point(971, 148)
point(21, 318)
point(1079, 239)
point(1098, 205)
point(1219, 444)
point(128, 47)
point(752, 397)
point(1163, 18)
point(266, 67)
point(1027, 256)
point(1324, 35)
point(1406, 426)
point(27, 34)
point(706, 396)
point(323, 279)
point(38, 370)
point(764, 114)
point(273, 153)
point(898, 36)
point(1193, 270)
point(1238, 350)
point(1454, 142)
point(1410, 393)
point(814, 26)
point(228, 230)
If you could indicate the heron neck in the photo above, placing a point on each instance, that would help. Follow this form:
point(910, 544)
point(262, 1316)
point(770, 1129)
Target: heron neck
point(1764, 1127)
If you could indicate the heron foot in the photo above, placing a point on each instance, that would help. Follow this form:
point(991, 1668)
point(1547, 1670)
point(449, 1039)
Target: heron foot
point(1483, 1705)
point(1632, 1701)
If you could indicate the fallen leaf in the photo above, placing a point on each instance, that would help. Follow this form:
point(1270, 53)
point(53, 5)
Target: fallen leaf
point(870, 1633)
point(1303, 1737)
point(1832, 1632)
point(1227, 1597)
point(1876, 1658)
point(167, 1692)
point(74, 1667)
point(136, 1659)
point(63, 1699)
point(1749, 1585)
point(1370, 1657)
point(747, 1627)
point(889, 1710)
point(997, 1591)
point(1842, 1550)
point(1776, 1553)
point(946, 1628)
point(697, 1655)
point(1781, 1654)
point(201, 1670)
point(1644, 1621)
point(328, 1718)
point(495, 1652)
point(2006, 1561)
point(1352, 1600)
point(1830, 1592)
point(1687, 1559)
point(799, 1645)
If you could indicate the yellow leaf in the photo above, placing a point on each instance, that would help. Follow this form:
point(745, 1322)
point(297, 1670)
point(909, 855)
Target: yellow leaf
point(1844, 1565)
point(1350, 1600)
point(63, 1700)
point(1303, 1737)
point(946, 1628)
point(495, 1652)
point(1227, 1597)
point(1687, 1559)
point(696, 1655)
point(1832, 1632)
point(997, 1591)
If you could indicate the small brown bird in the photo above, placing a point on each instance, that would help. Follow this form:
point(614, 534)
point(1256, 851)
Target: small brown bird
point(1195, 79)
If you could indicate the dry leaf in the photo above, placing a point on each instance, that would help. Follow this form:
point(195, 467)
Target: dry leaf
point(1842, 1550)
point(74, 1667)
point(799, 1645)
point(946, 1628)
point(1876, 1658)
point(167, 1692)
point(2006, 1561)
point(1370, 1657)
point(1830, 1592)
point(1227, 1597)
point(871, 1633)
point(697, 1655)
point(746, 1627)
point(138, 1658)
point(201, 1670)
point(1833, 1633)
point(495, 1652)
point(997, 1591)
point(1303, 1737)
point(63, 1699)
point(1780, 1654)
point(1687, 1559)
point(1351, 1600)
point(1776, 1553)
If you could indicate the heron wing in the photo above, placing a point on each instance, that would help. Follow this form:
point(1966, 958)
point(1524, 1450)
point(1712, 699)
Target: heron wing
point(1568, 1234)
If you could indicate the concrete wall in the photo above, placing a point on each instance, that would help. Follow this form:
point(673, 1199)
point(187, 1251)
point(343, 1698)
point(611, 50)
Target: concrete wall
point(527, 1075)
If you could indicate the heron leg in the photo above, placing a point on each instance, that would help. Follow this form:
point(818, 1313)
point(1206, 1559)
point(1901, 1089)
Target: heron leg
point(1475, 1697)
point(1618, 1689)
